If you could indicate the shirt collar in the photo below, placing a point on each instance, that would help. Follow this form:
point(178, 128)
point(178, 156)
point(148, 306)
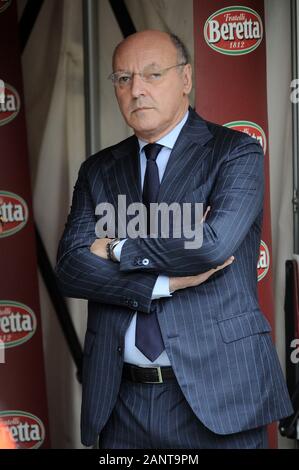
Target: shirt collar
point(169, 139)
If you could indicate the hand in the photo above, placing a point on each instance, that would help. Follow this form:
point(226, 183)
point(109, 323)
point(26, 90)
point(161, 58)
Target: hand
point(176, 283)
point(99, 247)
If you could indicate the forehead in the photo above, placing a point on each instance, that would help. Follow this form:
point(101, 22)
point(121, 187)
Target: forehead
point(143, 51)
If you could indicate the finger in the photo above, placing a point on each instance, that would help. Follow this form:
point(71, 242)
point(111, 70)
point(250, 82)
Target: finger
point(203, 276)
point(206, 213)
point(226, 263)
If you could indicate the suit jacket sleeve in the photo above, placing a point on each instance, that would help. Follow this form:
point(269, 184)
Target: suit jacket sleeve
point(82, 274)
point(236, 200)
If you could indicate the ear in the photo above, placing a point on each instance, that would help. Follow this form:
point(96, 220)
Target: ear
point(187, 78)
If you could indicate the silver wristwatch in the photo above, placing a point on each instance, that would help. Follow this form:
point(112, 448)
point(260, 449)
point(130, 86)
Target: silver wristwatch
point(110, 247)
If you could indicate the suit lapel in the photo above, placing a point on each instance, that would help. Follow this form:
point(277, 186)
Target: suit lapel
point(121, 175)
point(185, 159)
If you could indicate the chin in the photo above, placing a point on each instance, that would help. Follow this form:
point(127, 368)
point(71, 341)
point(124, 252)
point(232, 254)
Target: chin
point(143, 127)
point(144, 132)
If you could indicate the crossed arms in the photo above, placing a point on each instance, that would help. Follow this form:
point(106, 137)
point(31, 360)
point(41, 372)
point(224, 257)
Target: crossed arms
point(236, 200)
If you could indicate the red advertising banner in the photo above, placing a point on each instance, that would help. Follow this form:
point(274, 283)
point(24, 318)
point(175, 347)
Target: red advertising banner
point(231, 90)
point(23, 403)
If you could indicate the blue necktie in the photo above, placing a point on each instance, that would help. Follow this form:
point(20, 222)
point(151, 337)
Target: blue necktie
point(148, 334)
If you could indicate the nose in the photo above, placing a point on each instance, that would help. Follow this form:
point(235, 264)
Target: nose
point(137, 86)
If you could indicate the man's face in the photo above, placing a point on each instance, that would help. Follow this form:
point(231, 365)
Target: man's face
point(152, 108)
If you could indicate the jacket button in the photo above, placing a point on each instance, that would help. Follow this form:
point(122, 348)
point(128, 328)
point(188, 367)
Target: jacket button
point(119, 349)
point(145, 262)
point(135, 304)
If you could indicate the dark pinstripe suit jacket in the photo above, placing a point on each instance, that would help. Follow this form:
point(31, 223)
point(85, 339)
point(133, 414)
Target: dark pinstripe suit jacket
point(216, 337)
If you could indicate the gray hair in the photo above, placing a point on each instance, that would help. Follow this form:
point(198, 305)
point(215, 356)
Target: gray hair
point(182, 51)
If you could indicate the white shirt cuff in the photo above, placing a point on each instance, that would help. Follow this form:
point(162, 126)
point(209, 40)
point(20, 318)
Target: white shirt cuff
point(161, 287)
point(117, 249)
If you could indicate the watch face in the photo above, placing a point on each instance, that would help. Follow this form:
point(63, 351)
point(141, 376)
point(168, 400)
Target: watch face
point(111, 246)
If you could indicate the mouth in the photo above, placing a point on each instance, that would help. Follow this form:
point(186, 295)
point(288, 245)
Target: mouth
point(143, 108)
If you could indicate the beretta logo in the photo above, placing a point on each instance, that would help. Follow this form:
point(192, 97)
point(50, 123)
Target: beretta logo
point(27, 430)
point(4, 4)
point(17, 323)
point(11, 106)
point(234, 30)
point(13, 213)
point(263, 262)
point(250, 128)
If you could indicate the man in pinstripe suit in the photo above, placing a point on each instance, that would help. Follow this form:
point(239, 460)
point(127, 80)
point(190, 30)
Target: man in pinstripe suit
point(177, 353)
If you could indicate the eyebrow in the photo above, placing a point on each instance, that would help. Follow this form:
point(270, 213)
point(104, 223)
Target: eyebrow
point(152, 64)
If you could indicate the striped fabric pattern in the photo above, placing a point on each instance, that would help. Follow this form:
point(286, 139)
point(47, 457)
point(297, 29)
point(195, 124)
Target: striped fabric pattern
point(216, 336)
point(155, 416)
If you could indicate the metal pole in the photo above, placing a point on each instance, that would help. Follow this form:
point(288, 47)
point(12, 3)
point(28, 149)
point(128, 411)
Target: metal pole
point(295, 133)
point(295, 128)
point(91, 75)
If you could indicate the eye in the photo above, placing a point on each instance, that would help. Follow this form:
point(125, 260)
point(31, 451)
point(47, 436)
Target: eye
point(123, 79)
point(154, 75)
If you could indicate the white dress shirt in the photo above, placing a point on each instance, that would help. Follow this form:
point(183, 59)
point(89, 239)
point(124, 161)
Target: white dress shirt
point(161, 287)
